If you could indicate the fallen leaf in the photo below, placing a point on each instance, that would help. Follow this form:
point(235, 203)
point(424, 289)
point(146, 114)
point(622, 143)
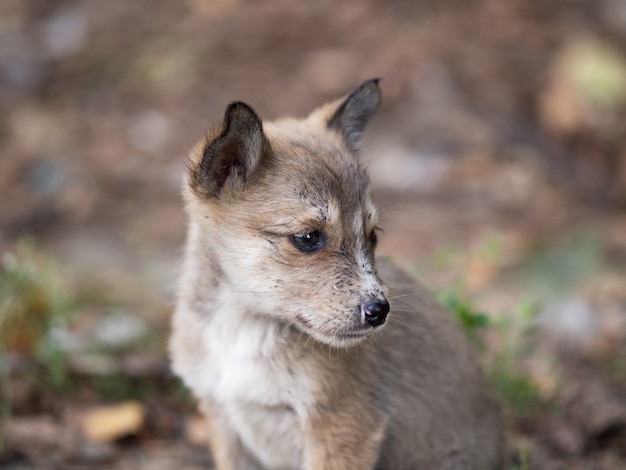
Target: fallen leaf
point(108, 423)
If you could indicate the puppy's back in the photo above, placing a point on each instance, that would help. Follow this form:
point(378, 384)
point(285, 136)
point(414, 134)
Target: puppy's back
point(440, 407)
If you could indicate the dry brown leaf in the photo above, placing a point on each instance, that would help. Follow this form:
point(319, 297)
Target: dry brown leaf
point(108, 423)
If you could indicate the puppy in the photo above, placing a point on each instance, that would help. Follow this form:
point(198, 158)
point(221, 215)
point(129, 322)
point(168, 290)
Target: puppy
point(304, 351)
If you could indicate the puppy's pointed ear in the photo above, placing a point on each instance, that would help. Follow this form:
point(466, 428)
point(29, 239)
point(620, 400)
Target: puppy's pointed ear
point(354, 112)
point(231, 159)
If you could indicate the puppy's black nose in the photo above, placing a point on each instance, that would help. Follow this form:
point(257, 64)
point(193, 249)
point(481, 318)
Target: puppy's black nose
point(376, 312)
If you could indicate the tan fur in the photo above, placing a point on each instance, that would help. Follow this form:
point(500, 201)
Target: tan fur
point(272, 340)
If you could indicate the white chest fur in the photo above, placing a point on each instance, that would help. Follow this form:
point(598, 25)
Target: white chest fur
point(250, 374)
point(247, 361)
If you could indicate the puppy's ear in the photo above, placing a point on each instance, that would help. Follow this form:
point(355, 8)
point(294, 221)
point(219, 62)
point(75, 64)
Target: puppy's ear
point(230, 159)
point(354, 112)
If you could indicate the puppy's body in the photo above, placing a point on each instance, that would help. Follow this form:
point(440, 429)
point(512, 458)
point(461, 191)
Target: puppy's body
point(279, 326)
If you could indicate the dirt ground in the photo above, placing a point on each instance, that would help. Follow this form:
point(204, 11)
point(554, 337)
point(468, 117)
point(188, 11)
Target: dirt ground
point(498, 160)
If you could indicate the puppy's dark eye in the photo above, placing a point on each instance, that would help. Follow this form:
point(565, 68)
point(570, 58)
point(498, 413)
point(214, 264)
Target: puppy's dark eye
point(373, 238)
point(311, 241)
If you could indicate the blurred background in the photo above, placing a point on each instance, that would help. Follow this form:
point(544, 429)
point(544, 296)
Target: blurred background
point(498, 160)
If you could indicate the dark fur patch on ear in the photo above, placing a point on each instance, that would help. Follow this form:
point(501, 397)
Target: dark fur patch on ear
point(355, 111)
point(231, 158)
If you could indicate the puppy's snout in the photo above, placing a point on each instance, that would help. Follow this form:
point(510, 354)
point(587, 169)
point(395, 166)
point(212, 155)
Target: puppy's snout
point(375, 312)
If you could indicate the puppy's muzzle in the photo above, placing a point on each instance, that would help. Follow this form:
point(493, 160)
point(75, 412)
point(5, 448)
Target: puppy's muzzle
point(374, 313)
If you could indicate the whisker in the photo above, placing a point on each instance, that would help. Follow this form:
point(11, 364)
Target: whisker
point(399, 296)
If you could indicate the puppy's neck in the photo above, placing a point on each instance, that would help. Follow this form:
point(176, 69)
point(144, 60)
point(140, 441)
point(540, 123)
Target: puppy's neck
point(202, 276)
point(206, 286)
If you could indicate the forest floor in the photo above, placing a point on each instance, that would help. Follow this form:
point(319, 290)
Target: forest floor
point(498, 160)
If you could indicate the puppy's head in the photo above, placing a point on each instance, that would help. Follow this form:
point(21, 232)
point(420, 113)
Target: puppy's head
point(283, 212)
